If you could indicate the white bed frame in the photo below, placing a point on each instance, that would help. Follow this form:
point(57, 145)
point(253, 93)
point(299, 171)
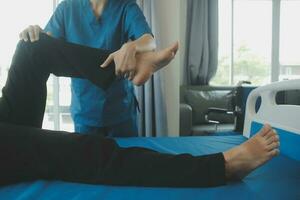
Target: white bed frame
point(286, 117)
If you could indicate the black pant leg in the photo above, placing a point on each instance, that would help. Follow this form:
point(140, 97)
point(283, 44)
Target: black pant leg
point(143, 167)
point(24, 95)
point(28, 153)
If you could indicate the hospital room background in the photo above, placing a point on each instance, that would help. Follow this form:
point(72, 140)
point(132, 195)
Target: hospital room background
point(241, 40)
point(227, 48)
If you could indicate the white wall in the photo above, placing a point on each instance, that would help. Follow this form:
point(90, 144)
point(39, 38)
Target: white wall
point(169, 13)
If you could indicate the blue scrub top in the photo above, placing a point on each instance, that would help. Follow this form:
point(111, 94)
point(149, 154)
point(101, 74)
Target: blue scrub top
point(121, 20)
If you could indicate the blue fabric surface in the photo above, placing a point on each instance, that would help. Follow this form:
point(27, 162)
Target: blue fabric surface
point(278, 179)
point(121, 21)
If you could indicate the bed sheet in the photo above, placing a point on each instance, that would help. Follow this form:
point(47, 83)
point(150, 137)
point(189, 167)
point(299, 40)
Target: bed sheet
point(278, 179)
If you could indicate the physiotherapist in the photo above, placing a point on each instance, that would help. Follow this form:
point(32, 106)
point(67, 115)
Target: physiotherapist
point(115, 25)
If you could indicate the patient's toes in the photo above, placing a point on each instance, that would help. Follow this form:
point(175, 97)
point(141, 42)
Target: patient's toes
point(274, 138)
point(273, 146)
point(274, 152)
point(265, 130)
point(270, 134)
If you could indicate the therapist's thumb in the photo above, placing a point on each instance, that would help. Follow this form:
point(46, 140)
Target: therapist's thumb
point(108, 61)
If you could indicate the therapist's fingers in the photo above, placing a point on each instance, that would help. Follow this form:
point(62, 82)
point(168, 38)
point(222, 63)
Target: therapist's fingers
point(130, 68)
point(118, 73)
point(37, 31)
point(120, 70)
point(127, 67)
point(131, 75)
point(31, 33)
point(126, 75)
point(23, 36)
point(108, 61)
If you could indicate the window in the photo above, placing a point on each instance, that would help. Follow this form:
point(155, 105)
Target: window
point(14, 17)
point(57, 115)
point(289, 40)
point(252, 41)
point(223, 76)
point(258, 41)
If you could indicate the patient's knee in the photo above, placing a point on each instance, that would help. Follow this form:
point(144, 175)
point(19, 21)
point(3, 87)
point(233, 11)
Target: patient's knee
point(36, 46)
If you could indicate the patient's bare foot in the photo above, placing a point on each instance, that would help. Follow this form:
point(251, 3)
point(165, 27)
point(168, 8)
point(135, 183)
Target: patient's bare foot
point(150, 62)
point(259, 149)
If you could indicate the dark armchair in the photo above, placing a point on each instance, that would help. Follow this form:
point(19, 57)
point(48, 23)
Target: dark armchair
point(197, 106)
point(208, 109)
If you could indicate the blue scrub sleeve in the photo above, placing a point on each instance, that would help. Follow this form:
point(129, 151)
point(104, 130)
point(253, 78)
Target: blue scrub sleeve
point(56, 24)
point(135, 22)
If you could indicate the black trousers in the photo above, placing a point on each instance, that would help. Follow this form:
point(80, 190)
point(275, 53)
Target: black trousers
point(29, 153)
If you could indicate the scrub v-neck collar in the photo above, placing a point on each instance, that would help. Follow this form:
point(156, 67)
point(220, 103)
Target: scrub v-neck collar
point(90, 14)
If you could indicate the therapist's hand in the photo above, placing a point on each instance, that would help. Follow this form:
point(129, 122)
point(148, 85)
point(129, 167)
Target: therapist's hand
point(125, 58)
point(32, 33)
point(125, 61)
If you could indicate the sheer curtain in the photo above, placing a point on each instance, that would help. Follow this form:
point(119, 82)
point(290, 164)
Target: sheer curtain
point(152, 119)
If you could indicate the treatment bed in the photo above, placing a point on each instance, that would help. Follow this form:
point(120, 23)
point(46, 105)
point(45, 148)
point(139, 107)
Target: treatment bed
point(278, 179)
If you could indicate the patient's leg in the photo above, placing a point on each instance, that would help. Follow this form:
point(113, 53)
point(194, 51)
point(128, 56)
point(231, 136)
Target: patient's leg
point(29, 154)
point(259, 149)
point(24, 94)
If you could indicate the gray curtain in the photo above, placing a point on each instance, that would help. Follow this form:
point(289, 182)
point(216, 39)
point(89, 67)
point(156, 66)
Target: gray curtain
point(152, 118)
point(201, 58)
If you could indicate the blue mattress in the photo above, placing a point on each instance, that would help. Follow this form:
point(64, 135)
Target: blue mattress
point(278, 179)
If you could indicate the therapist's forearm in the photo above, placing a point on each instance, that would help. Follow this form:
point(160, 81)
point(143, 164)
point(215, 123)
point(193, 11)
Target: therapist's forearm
point(144, 44)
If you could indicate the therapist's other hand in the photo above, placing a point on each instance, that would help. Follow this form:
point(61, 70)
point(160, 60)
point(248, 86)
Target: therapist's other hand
point(125, 61)
point(32, 33)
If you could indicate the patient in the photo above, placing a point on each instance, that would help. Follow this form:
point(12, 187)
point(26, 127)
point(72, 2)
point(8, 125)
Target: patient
point(28, 152)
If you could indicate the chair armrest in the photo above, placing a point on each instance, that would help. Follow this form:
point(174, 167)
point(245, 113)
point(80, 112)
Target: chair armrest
point(186, 119)
point(218, 111)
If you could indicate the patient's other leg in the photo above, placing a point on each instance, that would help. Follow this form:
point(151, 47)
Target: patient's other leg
point(246, 157)
point(28, 154)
